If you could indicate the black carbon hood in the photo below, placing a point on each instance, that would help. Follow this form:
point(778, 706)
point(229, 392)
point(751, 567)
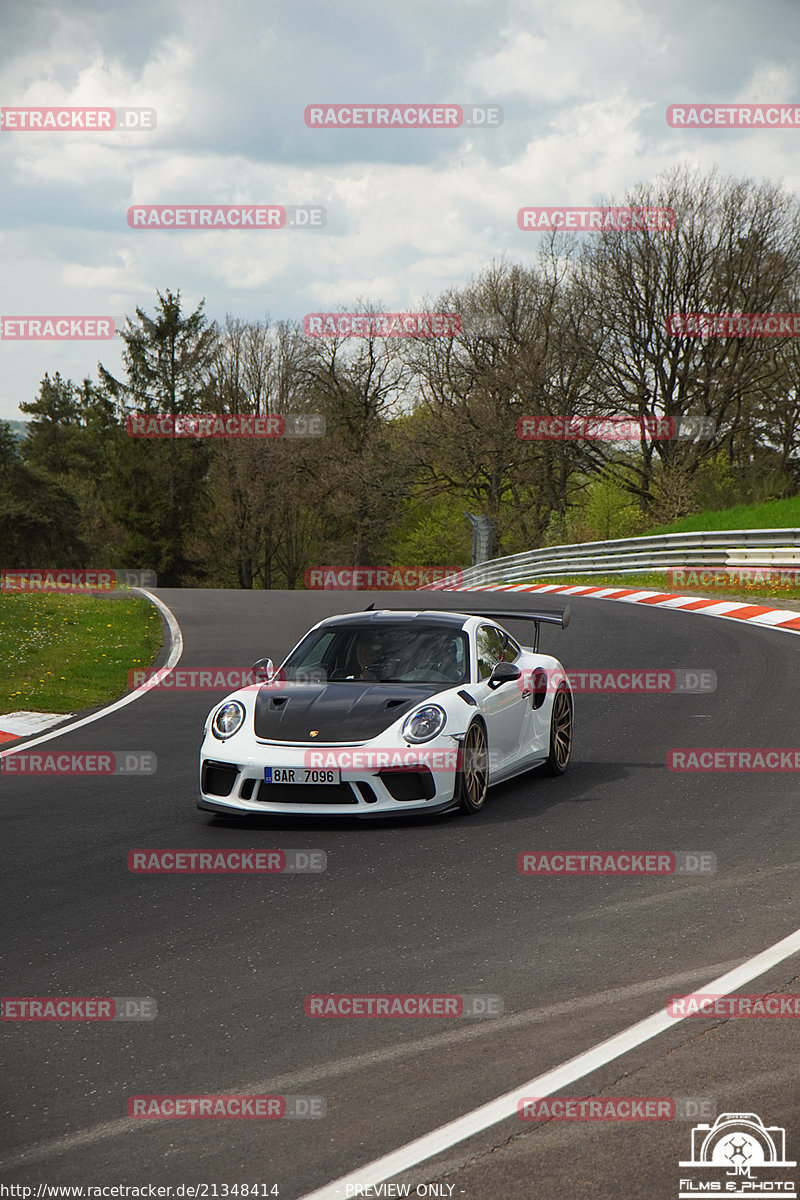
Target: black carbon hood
point(339, 712)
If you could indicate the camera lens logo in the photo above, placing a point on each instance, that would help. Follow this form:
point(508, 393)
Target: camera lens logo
point(735, 1146)
point(742, 1150)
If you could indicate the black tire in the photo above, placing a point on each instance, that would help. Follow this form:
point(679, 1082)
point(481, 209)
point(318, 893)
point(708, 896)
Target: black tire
point(472, 780)
point(561, 722)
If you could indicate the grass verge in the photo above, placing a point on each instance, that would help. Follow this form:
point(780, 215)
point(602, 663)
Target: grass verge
point(773, 514)
point(61, 654)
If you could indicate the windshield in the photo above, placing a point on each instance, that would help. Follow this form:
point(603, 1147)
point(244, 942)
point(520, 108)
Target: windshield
point(384, 653)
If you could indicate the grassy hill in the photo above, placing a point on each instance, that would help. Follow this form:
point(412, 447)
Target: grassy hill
point(775, 514)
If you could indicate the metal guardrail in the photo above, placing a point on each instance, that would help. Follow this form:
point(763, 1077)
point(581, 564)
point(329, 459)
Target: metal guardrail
point(781, 556)
point(629, 555)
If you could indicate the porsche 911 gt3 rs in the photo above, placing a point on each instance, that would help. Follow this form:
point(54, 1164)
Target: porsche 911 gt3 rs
point(375, 713)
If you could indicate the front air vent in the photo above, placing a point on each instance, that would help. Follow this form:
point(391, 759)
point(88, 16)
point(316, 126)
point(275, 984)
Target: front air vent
point(305, 793)
point(402, 784)
point(367, 793)
point(218, 778)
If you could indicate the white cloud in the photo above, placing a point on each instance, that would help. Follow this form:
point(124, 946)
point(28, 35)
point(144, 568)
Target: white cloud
point(528, 66)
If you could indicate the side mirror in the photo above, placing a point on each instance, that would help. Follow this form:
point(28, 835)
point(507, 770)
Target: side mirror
point(262, 669)
point(504, 672)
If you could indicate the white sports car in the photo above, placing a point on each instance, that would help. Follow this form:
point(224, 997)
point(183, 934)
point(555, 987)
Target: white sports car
point(375, 713)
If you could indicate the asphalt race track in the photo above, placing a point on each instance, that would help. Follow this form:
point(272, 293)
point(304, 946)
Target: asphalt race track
point(406, 906)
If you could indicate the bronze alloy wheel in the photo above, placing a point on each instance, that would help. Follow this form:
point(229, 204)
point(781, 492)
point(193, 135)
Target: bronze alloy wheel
point(560, 734)
point(473, 778)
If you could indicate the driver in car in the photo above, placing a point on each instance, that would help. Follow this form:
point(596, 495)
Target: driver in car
point(366, 650)
point(445, 660)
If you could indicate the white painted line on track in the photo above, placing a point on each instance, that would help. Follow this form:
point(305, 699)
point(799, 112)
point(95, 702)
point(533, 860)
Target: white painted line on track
point(176, 650)
point(503, 1107)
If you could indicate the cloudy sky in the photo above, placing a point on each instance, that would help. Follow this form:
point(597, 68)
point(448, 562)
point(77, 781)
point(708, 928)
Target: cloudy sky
point(584, 86)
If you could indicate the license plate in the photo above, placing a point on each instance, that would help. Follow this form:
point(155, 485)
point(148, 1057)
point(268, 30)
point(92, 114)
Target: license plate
point(304, 775)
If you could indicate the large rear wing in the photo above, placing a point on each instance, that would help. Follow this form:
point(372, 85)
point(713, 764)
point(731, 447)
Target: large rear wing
point(539, 618)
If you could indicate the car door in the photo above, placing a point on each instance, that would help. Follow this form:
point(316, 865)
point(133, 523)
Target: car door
point(506, 708)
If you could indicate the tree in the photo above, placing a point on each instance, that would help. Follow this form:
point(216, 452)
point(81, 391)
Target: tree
point(518, 355)
point(158, 484)
point(71, 425)
point(357, 385)
point(735, 248)
point(261, 520)
point(39, 519)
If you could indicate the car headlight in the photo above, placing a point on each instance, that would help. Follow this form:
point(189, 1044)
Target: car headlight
point(424, 724)
point(227, 719)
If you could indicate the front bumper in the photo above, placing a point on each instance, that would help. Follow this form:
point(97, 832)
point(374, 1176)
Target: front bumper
point(236, 784)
